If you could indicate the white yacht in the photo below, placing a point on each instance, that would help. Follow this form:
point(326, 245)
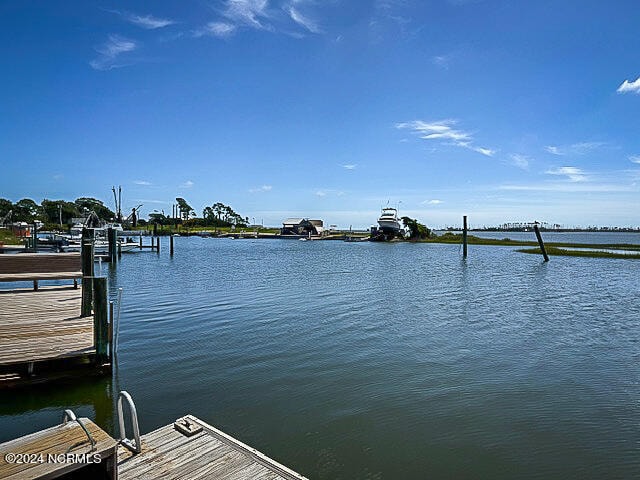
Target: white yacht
point(388, 220)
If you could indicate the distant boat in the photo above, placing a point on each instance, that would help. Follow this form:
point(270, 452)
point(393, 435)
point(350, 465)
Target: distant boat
point(388, 221)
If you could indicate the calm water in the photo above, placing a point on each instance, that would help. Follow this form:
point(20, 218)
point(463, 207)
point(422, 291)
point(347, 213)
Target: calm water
point(368, 360)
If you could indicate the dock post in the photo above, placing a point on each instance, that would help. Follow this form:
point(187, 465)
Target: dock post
point(100, 319)
point(140, 241)
point(464, 236)
point(87, 273)
point(158, 245)
point(171, 245)
point(541, 243)
point(112, 240)
point(110, 331)
point(35, 238)
point(119, 250)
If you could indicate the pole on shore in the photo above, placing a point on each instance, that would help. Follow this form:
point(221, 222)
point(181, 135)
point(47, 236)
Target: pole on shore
point(464, 236)
point(100, 319)
point(540, 242)
point(35, 238)
point(171, 245)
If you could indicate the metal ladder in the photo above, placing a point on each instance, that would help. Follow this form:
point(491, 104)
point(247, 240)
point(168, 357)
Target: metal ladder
point(67, 416)
point(131, 444)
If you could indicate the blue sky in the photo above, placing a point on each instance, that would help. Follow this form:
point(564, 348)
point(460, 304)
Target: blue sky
point(500, 110)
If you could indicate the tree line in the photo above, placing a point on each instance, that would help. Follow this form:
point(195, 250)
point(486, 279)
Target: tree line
point(59, 213)
point(52, 212)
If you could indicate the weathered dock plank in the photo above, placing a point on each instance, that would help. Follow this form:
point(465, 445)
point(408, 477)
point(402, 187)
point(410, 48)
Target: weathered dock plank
point(43, 325)
point(211, 453)
point(43, 454)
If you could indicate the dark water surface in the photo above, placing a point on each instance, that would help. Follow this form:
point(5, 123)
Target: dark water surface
point(368, 360)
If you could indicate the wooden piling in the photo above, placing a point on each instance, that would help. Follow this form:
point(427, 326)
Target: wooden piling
point(112, 238)
point(35, 239)
point(541, 243)
point(100, 319)
point(140, 241)
point(171, 245)
point(87, 274)
point(158, 244)
point(110, 331)
point(464, 236)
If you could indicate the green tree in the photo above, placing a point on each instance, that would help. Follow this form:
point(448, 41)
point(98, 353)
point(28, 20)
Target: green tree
point(417, 230)
point(54, 210)
point(185, 208)
point(5, 206)
point(95, 205)
point(25, 210)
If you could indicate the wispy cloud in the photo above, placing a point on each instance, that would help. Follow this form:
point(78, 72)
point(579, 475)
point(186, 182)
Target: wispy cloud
point(302, 20)
point(630, 87)
point(634, 158)
point(252, 13)
point(147, 21)
point(58, 176)
point(444, 131)
point(110, 51)
point(574, 174)
point(141, 182)
point(442, 61)
point(572, 187)
point(519, 161)
point(216, 29)
point(321, 193)
point(187, 184)
point(432, 202)
point(580, 148)
point(349, 166)
point(263, 188)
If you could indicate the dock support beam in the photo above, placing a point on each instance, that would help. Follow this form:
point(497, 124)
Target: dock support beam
point(87, 272)
point(171, 245)
point(112, 237)
point(541, 243)
point(100, 319)
point(158, 244)
point(464, 236)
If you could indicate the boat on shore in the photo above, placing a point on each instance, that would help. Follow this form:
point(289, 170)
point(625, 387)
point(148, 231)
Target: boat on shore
point(388, 221)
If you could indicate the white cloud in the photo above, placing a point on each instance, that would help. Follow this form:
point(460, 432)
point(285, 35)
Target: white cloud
point(634, 158)
point(110, 51)
point(148, 21)
point(303, 20)
point(442, 61)
point(432, 202)
point(520, 161)
point(349, 166)
point(141, 182)
point(187, 184)
point(251, 13)
point(574, 174)
point(580, 148)
point(629, 87)
point(263, 188)
point(444, 130)
point(58, 176)
point(217, 29)
point(321, 193)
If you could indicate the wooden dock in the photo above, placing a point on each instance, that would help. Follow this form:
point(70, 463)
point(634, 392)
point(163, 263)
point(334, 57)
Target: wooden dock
point(209, 453)
point(58, 451)
point(192, 450)
point(39, 328)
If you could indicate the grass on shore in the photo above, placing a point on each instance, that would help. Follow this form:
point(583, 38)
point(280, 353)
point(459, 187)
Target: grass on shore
point(8, 238)
point(580, 253)
point(473, 240)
